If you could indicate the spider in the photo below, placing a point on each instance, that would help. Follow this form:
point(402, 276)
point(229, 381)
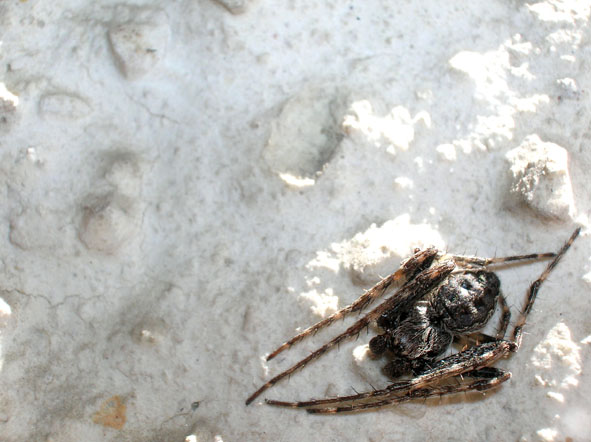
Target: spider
point(443, 298)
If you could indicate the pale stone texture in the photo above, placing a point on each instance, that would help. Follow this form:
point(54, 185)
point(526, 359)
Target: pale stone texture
point(540, 178)
point(305, 134)
point(63, 106)
point(234, 6)
point(183, 188)
point(140, 43)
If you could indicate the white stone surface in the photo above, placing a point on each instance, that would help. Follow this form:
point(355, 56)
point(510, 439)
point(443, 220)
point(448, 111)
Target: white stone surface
point(304, 135)
point(183, 188)
point(234, 6)
point(140, 42)
point(63, 106)
point(540, 178)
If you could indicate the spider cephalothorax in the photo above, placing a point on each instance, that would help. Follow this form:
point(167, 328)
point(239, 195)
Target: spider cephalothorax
point(465, 302)
point(442, 298)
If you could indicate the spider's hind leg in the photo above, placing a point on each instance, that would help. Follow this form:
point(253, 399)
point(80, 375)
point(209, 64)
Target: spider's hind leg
point(486, 379)
point(470, 360)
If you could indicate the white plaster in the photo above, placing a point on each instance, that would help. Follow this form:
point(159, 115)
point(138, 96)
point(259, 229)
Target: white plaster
point(183, 185)
point(139, 43)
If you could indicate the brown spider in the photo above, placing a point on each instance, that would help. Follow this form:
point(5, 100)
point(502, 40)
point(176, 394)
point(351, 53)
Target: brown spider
point(443, 298)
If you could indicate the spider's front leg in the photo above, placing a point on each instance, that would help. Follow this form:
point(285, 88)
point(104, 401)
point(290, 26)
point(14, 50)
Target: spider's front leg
point(409, 268)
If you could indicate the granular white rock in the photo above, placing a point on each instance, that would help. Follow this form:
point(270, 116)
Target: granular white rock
point(367, 122)
point(557, 358)
point(447, 152)
point(540, 178)
point(377, 252)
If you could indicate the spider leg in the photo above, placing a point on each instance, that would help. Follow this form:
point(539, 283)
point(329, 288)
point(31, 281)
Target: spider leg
point(486, 381)
point(485, 373)
point(473, 358)
point(483, 262)
point(475, 338)
point(408, 269)
point(505, 317)
point(336, 400)
point(535, 287)
point(403, 299)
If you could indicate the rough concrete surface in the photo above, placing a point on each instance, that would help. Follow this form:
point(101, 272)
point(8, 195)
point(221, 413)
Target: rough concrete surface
point(187, 183)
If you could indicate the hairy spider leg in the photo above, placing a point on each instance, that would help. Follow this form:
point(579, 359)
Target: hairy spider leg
point(535, 287)
point(420, 260)
point(483, 262)
point(337, 399)
point(475, 338)
point(482, 384)
point(505, 317)
point(408, 294)
point(473, 358)
point(478, 357)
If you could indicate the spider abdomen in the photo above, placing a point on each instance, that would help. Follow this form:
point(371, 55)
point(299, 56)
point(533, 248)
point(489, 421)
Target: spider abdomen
point(417, 337)
point(414, 337)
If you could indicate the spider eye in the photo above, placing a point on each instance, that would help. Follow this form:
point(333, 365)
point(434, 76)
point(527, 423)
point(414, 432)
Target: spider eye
point(465, 284)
